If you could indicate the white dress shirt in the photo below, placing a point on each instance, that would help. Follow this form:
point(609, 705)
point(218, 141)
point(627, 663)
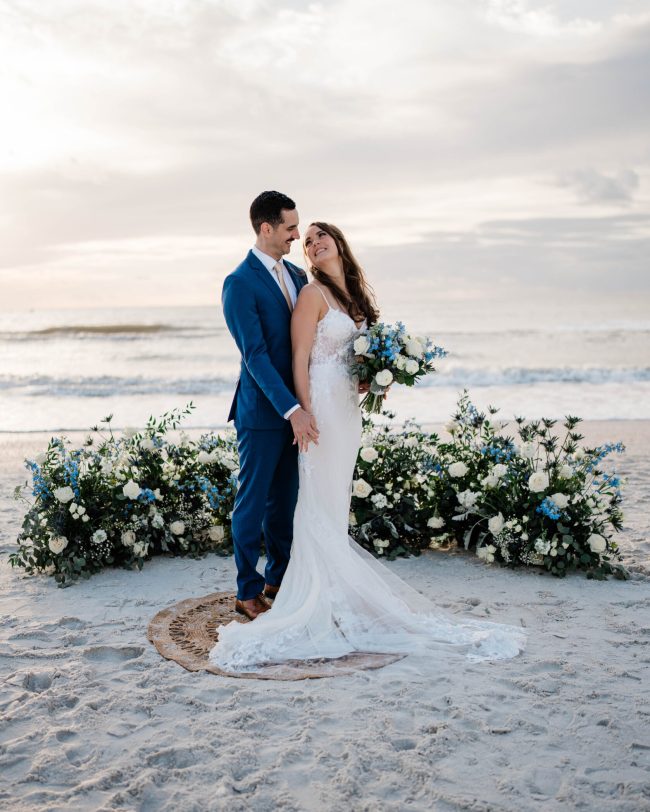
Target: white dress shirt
point(269, 263)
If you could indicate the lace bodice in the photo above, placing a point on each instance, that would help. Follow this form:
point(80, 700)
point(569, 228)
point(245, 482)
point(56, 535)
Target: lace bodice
point(335, 334)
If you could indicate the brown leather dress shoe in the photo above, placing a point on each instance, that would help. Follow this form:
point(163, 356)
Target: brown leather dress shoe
point(270, 591)
point(251, 608)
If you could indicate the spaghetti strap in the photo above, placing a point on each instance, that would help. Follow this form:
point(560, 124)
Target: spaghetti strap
point(323, 295)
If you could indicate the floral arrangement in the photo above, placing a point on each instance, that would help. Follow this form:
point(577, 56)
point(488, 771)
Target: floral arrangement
point(539, 499)
point(391, 492)
point(385, 355)
point(119, 500)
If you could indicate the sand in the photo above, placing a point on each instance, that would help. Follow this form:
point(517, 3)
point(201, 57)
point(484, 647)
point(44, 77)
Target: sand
point(93, 719)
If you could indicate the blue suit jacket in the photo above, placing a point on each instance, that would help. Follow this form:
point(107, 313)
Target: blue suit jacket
point(259, 320)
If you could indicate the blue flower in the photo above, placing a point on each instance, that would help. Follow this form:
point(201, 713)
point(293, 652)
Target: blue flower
point(550, 509)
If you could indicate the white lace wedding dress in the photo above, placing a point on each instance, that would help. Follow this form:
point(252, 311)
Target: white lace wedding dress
point(336, 598)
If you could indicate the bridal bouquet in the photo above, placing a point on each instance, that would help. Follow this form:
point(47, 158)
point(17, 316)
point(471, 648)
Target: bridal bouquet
point(385, 355)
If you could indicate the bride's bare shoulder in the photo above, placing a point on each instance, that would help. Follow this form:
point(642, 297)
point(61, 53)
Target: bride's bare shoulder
point(311, 295)
point(311, 300)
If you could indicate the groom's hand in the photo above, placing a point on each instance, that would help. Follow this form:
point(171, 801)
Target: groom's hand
point(304, 427)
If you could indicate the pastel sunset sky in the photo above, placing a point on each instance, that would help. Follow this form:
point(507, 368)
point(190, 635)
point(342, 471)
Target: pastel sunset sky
point(472, 148)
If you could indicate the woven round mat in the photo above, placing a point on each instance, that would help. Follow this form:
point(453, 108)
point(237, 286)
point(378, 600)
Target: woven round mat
point(186, 631)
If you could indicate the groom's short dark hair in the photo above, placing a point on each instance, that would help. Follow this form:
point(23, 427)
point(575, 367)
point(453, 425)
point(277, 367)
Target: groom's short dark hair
point(267, 208)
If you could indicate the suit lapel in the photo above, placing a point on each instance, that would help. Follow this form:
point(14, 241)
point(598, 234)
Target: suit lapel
point(299, 280)
point(266, 278)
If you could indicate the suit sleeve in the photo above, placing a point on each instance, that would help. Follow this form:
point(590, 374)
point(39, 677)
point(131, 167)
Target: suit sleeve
point(243, 321)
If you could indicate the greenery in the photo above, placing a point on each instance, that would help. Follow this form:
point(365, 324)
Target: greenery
point(538, 498)
point(119, 500)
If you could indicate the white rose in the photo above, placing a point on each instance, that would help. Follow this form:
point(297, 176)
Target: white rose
point(204, 457)
point(361, 345)
point(489, 481)
point(467, 499)
point(565, 472)
point(495, 524)
point(499, 470)
point(131, 490)
point(411, 366)
point(401, 361)
point(579, 453)
point(157, 495)
point(231, 463)
point(99, 536)
point(157, 521)
point(352, 520)
point(527, 450)
point(560, 499)
point(597, 543)
point(542, 546)
point(361, 488)
point(384, 377)
point(177, 527)
point(414, 348)
point(39, 459)
point(106, 467)
point(487, 553)
point(148, 444)
point(140, 549)
point(538, 482)
point(57, 544)
point(457, 469)
point(65, 494)
point(216, 532)
point(128, 538)
point(369, 454)
point(379, 500)
point(436, 522)
point(85, 518)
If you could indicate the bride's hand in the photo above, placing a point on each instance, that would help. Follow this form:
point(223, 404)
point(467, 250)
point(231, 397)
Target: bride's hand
point(364, 387)
point(304, 427)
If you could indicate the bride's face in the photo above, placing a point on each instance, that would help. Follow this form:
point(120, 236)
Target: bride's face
point(319, 246)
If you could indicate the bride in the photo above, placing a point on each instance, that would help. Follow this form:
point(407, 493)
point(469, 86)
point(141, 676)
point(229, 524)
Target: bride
point(335, 597)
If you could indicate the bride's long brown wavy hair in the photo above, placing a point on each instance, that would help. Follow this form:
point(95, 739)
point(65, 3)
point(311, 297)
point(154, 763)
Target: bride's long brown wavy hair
point(359, 301)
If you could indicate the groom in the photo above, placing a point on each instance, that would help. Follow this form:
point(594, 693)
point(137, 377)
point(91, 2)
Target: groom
point(258, 298)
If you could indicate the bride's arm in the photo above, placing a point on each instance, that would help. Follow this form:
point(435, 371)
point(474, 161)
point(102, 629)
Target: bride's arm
point(303, 329)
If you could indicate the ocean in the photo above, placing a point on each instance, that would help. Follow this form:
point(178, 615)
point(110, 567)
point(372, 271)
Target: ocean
point(67, 369)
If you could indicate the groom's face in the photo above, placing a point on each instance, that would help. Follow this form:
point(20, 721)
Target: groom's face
point(281, 237)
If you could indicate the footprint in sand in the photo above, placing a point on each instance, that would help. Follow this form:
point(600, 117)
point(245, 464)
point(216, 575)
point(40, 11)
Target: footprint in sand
point(113, 654)
point(38, 681)
point(65, 735)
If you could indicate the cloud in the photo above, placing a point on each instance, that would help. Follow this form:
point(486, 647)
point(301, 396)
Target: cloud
point(142, 130)
point(595, 187)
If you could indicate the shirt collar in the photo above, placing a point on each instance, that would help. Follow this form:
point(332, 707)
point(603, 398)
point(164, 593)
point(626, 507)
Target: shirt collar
point(265, 259)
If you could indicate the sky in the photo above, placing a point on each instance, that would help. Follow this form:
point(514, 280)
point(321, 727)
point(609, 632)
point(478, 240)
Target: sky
point(479, 149)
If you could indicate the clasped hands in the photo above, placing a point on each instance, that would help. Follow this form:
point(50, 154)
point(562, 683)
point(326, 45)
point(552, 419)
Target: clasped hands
point(304, 427)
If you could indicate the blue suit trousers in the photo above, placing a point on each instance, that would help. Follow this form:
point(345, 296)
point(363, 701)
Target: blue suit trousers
point(265, 501)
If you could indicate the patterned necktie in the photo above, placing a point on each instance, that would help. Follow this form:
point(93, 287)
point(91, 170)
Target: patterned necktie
point(279, 272)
